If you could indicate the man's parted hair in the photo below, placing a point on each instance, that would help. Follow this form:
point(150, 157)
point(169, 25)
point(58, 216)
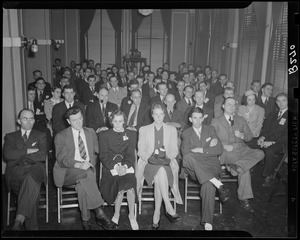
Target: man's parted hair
point(72, 111)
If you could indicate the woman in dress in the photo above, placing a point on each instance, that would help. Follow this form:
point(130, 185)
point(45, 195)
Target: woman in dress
point(117, 154)
point(49, 104)
point(153, 137)
point(253, 114)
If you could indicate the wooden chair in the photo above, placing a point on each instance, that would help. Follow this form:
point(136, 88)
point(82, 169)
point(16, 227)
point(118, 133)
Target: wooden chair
point(192, 188)
point(43, 203)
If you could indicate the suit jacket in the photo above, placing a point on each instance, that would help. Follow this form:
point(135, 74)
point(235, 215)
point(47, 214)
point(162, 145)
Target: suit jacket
point(271, 105)
point(121, 83)
point(176, 116)
point(210, 102)
point(65, 152)
point(15, 151)
point(190, 140)
point(155, 99)
point(276, 129)
point(94, 117)
point(218, 110)
point(255, 118)
point(171, 87)
point(59, 121)
point(146, 149)
point(216, 88)
point(45, 96)
point(182, 105)
point(206, 110)
point(177, 95)
point(226, 135)
point(87, 95)
point(117, 96)
point(47, 88)
point(143, 115)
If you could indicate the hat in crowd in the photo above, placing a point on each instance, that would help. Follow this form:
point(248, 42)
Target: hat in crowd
point(250, 92)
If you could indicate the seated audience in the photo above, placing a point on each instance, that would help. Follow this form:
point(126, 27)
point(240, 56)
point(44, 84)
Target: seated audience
point(137, 111)
point(213, 80)
point(154, 90)
point(187, 101)
point(233, 132)
point(37, 74)
point(157, 151)
point(200, 149)
point(76, 148)
point(265, 99)
point(116, 93)
point(209, 98)
point(217, 88)
point(117, 154)
point(228, 92)
point(98, 112)
point(162, 93)
point(25, 151)
point(123, 79)
point(89, 92)
point(179, 93)
point(173, 116)
point(199, 102)
point(41, 94)
point(253, 114)
point(59, 122)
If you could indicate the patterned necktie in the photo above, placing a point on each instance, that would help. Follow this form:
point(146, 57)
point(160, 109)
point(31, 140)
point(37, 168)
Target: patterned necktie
point(103, 112)
point(81, 147)
point(93, 90)
point(131, 120)
point(231, 121)
point(25, 138)
point(170, 114)
point(280, 114)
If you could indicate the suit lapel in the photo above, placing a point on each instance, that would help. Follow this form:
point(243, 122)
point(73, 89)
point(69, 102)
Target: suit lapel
point(89, 143)
point(224, 122)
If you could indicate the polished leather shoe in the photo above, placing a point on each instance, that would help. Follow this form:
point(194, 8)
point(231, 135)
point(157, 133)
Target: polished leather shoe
point(173, 218)
point(223, 193)
point(86, 225)
point(246, 205)
point(17, 226)
point(155, 226)
point(103, 221)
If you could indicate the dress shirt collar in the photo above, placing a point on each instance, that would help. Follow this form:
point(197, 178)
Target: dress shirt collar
point(27, 132)
point(67, 104)
point(227, 116)
point(201, 106)
point(197, 130)
point(118, 130)
point(283, 111)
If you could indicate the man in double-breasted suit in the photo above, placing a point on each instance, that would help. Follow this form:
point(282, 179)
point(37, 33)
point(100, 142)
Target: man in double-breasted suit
point(233, 130)
point(25, 152)
point(76, 149)
point(200, 150)
point(59, 121)
point(98, 112)
point(140, 117)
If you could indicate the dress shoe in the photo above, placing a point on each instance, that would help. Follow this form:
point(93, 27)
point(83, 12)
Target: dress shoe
point(86, 225)
point(223, 193)
point(103, 221)
point(246, 205)
point(173, 218)
point(133, 223)
point(208, 227)
point(155, 226)
point(17, 226)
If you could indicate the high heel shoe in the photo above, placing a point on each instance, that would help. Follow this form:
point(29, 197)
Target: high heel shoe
point(155, 226)
point(173, 218)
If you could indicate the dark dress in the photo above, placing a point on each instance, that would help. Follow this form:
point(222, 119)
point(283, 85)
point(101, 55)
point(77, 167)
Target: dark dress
point(112, 143)
point(150, 169)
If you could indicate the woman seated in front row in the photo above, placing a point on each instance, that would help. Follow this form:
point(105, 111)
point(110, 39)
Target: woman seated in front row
point(117, 154)
point(157, 150)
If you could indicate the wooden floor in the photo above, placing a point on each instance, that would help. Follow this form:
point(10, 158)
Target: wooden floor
point(268, 220)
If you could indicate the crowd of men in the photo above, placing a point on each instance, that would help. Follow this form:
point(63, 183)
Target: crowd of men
point(99, 92)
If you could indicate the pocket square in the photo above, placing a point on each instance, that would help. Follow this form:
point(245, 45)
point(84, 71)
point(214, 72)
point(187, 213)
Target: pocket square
point(33, 144)
point(208, 139)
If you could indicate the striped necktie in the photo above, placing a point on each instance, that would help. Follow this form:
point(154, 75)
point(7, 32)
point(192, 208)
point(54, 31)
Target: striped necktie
point(81, 147)
point(131, 120)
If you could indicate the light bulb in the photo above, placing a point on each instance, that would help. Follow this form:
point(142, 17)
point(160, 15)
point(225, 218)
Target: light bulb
point(34, 46)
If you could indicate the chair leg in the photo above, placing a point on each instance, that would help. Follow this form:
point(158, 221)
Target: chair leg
point(58, 204)
point(8, 208)
point(185, 194)
point(140, 204)
point(47, 203)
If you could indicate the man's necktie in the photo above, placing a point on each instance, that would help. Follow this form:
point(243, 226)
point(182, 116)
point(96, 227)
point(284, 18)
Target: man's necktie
point(93, 90)
point(266, 101)
point(231, 121)
point(40, 96)
point(131, 120)
point(280, 114)
point(81, 147)
point(170, 114)
point(103, 112)
point(70, 105)
point(25, 138)
point(189, 103)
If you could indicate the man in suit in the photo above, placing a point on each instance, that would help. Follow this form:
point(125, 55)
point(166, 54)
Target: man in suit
point(200, 149)
point(89, 92)
point(76, 148)
point(41, 93)
point(265, 99)
point(138, 112)
point(122, 78)
point(274, 137)
point(209, 97)
point(82, 83)
point(228, 92)
point(179, 93)
point(154, 90)
point(133, 84)
point(144, 88)
point(98, 112)
point(58, 70)
point(233, 132)
point(37, 74)
point(116, 93)
point(163, 91)
point(187, 101)
point(217, 88)
point(25, 152)
point(165, 78)
point(59, 121)
point(255, 86)
point(213, 80)
point(199, 102)
point(173, 116)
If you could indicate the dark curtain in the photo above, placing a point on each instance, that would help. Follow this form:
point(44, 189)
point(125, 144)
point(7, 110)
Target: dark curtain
point(136, 21)
point(260, 12)
point(115, 17)
point(201, 39)
point(166, 15)
point(276, 10)
point(86, 18)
